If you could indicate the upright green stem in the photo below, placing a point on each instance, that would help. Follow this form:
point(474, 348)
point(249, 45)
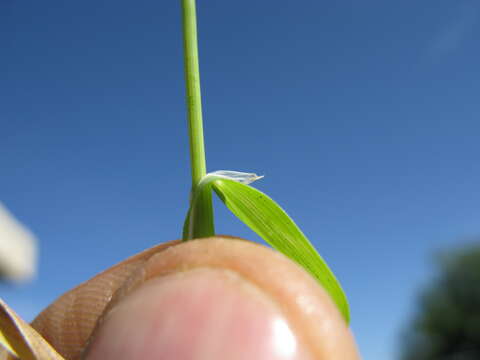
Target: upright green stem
point(194, 99)
point(203, 221)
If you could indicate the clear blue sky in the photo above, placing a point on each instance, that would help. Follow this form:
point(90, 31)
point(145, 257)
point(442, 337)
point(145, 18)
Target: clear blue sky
point(362, 115)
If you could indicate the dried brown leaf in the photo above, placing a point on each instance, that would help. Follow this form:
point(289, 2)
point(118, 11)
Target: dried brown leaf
point(21, 340)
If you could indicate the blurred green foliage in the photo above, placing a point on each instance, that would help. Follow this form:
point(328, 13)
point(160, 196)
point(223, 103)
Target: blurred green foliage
point(447, 323)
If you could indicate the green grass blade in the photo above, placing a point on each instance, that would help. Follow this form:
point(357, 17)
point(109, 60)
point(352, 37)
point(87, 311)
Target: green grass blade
point(271, 222)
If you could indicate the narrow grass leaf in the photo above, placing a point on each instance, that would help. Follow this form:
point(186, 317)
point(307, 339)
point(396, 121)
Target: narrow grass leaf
point(271, 222)
point(21, 340)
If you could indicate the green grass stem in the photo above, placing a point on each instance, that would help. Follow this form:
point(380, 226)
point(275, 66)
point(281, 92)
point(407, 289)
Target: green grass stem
point(203, 223)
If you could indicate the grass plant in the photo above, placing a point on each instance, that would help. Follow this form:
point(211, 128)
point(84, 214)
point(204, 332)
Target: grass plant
point(255, 209)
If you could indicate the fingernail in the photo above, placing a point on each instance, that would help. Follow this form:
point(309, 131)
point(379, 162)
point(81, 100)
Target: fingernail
point(201, 314)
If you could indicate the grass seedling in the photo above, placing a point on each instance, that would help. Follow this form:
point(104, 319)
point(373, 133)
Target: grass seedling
point(254, 208)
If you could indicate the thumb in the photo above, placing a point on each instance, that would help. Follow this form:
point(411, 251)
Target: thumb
point(214, 298)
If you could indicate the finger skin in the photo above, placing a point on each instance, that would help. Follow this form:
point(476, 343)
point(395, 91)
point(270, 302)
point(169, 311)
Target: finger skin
point(70, 322)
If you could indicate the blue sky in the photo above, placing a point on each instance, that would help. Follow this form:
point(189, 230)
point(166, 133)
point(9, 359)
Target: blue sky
point(362, 115)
